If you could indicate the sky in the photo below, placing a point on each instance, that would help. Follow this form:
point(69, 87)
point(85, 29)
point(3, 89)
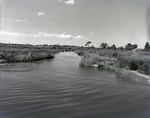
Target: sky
point(74, 22)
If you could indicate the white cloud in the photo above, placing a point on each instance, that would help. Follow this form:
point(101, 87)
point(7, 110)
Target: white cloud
point(19, 20)
point(41, 13)
point(65, 36)
point(68, 36)
point(79, 36)
point(10, 33)
point(70, 2)
point(43, 34)
point(91, 32)
point(62, 36)
point(14, 20)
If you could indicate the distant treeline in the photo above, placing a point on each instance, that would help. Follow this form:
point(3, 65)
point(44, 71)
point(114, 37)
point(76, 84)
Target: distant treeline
point(128, 46)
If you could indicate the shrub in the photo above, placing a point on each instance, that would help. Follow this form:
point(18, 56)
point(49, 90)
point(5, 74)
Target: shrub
point(133, 65)
point(113, 47)
point(147, 46)
point(120, 48)
point(145, 69)
point(115, 54)
point(104, 45)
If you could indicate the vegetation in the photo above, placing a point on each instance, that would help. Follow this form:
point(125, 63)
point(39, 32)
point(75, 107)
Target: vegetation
point(120, 58)
point(88, 43)
point(113, 47)
point(147, 46)
point(129, 46)
point(103, 57)
point(104, 45)
point(23, 53)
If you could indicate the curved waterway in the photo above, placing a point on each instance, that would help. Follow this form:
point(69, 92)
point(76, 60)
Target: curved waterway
point(59, 88)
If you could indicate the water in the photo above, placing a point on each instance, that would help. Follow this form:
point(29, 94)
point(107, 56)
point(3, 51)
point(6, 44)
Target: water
point(59, 88)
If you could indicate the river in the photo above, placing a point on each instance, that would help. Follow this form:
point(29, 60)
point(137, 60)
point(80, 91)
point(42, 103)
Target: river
point(59, 88)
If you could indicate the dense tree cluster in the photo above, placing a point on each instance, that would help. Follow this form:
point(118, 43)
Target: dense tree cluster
point(104, 45)
point(129, 46)
point(113, 47)
point(120, 48)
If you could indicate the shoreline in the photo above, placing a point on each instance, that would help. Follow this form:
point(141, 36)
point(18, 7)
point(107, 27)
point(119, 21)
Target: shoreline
point(107, 63)
point(11, 53)
point(25, 56)
point(127, 64)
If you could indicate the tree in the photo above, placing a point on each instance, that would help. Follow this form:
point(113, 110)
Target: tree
point(128, 46)
point(147, 46)
point(120, 48)
point(104, 45)
point(113, 47)
point(134, 46)
point(88, 43)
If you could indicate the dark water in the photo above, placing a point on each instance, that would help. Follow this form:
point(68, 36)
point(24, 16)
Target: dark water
point(58, 88)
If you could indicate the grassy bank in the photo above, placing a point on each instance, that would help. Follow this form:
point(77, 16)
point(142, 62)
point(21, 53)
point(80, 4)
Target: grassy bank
point(128, 64)
point(22, 53)
point(134, 67)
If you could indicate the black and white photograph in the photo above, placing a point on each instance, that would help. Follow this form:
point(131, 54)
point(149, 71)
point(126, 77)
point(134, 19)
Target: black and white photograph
point(74, 58)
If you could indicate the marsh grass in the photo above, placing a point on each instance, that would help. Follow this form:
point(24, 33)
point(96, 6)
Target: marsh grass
point(130, 60)
point(23, 53)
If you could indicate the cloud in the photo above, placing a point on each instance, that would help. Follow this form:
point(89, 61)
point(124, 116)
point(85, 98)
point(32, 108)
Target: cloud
point(91, 32)
point(53, 35)
point(9, 33)
point(41, 13)
point(79, 36)
point(70, 2)
point(14, 20)
point(19, 20)
point(65, 36)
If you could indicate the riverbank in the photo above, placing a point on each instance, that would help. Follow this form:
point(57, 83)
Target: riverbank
point(10, 53)
point(126, 64)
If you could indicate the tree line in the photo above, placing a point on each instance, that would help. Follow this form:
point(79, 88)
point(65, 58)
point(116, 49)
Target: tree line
point(128, 46)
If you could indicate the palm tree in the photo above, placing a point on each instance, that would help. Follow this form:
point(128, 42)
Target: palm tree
point(88, 43)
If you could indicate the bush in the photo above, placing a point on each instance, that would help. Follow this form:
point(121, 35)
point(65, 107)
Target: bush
point(145, 69)
point(115, 54)
point(147, 46)
point(133, 65)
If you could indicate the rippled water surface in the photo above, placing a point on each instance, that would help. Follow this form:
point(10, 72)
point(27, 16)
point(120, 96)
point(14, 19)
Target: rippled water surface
point(59, 88)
